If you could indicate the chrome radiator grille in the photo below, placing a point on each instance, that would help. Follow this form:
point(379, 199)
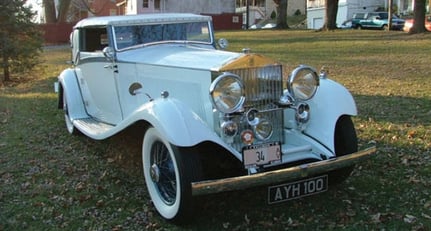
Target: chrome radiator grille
point(263, 88)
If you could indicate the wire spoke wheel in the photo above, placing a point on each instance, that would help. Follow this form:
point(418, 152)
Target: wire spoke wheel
point(168, 172)
point(163, 173)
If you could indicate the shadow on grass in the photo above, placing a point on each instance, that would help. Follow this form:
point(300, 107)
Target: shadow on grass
point(395, 109)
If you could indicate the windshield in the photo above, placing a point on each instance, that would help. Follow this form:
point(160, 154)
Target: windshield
point(128, 36)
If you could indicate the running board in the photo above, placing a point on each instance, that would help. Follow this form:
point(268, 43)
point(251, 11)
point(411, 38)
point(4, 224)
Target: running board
point(92, 127)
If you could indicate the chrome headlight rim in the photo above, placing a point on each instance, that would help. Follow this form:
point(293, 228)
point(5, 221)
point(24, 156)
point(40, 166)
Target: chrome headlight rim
point(240, 95)
point(298, 75)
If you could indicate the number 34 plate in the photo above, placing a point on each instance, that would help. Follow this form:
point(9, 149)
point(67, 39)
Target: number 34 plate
point(261, 154)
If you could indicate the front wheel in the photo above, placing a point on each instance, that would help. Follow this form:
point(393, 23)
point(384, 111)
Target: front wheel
point(69, 124)
point(346, 142)
point(168, 176)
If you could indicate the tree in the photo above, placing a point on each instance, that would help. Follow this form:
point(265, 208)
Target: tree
point(331, 15)
point(20, 39)
point(418, 17)
point(281, 14)
point(51, 13)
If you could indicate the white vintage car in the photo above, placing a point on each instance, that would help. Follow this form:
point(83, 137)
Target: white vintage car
point(213, 120)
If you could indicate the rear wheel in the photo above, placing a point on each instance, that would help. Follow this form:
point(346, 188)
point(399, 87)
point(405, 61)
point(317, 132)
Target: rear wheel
point(346, 142)
point(168, 175)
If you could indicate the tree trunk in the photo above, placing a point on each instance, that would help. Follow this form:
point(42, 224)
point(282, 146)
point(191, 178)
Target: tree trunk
point(63, 10)
point(331, 15)
point(6, 73)
point(419, 17)
point(390, 15)
point(50, 14)
point(282, 15)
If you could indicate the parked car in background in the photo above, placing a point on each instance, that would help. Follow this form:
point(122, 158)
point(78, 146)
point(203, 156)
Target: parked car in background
point(211, 120)
point(376, 20)
point(409, 24)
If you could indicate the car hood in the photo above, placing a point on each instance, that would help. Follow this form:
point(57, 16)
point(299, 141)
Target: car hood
point(193, 57)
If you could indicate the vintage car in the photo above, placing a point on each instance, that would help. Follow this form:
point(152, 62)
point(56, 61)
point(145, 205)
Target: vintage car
point(211, 120)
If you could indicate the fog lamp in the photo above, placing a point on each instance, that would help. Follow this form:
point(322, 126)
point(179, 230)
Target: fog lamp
point(302, 113)
point(252, 117)
point(229, 128)
point(263, 129)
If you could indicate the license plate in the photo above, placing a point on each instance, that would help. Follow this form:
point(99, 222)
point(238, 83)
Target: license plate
point(294, 190)
point(262, 154)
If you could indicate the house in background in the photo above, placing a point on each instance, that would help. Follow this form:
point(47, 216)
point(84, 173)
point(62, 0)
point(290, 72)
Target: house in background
point(222, 11)
point(346, 9)
point(80, 9)
point(183, 6)
point(261, 10)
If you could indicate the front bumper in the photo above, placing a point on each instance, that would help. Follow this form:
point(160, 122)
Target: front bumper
point(281, 175)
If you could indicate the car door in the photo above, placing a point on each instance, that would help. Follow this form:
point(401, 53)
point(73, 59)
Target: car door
point(96, 76)
point(369, 21)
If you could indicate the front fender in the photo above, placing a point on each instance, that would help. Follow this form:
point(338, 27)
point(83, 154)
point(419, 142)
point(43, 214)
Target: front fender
point(176, 122)
point(331, 101)
point(70, 87)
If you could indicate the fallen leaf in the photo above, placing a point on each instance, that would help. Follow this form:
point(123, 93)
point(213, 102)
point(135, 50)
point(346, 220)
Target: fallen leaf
point(100, 203)
point(80, 186)
point(409, 218)
point(247, 220)
point(375, 218)
point(411, 134)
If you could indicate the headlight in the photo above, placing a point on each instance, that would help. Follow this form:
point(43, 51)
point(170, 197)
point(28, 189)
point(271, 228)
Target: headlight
point(303, 83)
point(227, 93)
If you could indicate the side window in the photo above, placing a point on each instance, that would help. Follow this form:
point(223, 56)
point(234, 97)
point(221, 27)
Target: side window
point(93, 39)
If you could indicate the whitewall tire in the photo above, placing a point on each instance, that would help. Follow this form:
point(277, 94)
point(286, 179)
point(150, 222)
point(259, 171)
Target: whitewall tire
point(168, 175)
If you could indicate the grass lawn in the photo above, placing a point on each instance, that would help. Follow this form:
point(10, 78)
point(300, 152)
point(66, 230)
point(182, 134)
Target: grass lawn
point(50, 180)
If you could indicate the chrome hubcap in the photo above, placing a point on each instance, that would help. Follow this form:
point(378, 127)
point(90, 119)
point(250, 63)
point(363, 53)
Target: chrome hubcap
point(155, 173)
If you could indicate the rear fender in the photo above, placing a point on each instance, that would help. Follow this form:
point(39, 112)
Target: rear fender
point(331, 101)
point(69, 86)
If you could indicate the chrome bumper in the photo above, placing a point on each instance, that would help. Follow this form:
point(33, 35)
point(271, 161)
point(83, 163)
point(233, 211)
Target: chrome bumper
point(281, 175)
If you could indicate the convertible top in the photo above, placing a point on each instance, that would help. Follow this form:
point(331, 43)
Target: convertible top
point(141, 19)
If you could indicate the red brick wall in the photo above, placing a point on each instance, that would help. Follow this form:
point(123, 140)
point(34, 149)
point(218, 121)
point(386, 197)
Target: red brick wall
point(54, 33)
point(227, 21)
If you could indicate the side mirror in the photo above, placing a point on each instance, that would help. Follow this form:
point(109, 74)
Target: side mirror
point(109, 53)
